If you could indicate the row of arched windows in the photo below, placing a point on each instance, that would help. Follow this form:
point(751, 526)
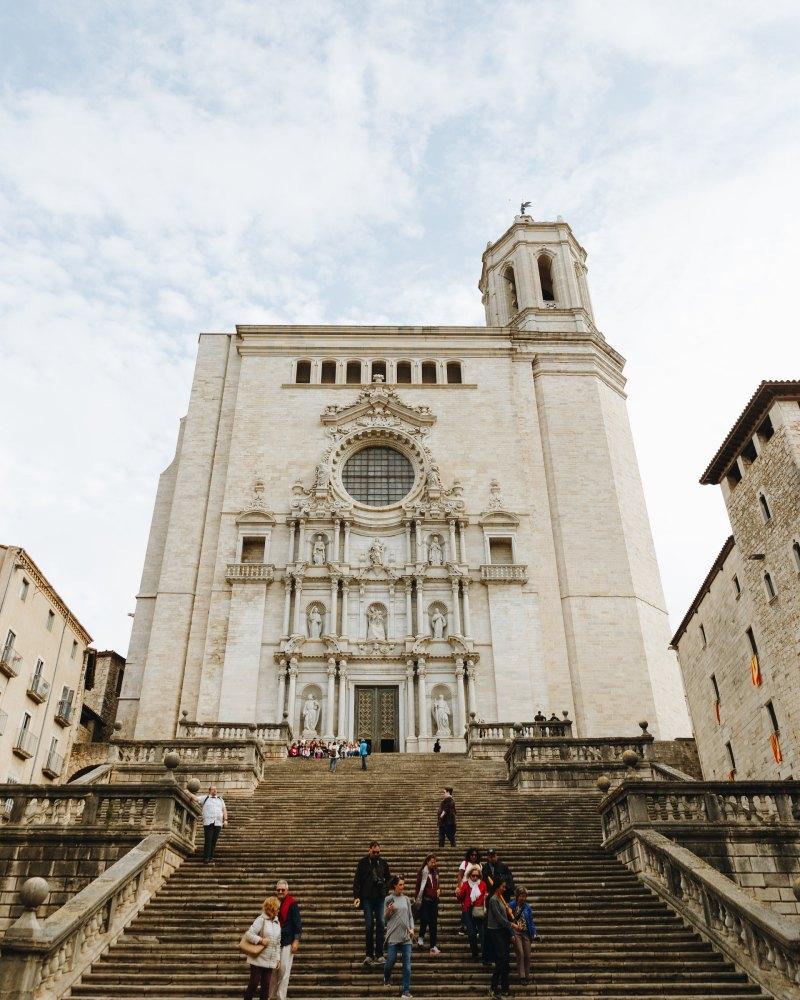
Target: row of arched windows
point(355, 372)
point(544, 266)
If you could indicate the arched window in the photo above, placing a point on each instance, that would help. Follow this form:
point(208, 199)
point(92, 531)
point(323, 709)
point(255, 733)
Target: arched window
point(404, 372)
point(353, 373)
point(763, 503)
point(796, 554)
point(303, 373)
point(328, 372)
point(378, 368)
point(454, 372)
point(429, 373)
point(510, 283)
point(546, 278)
point(769, 586)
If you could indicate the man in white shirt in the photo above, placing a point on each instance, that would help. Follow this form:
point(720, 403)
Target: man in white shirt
point(215, 816)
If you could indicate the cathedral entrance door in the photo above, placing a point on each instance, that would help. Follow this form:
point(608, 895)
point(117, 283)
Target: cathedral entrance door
point(378, 717)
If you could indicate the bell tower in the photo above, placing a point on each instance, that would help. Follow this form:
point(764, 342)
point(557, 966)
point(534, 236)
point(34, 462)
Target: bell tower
point(534, 278)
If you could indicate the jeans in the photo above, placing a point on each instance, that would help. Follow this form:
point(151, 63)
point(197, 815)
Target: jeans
point(522, 950)
point(210, 836)
point(500, 953)
point(471, 926)
point(448, 831)
point(259, 980)
point(332, 764)
point(363, 762)
point(429, 919)
point(373, 919)
point(391, 958)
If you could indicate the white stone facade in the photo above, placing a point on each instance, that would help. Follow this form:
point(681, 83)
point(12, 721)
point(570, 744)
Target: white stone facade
point(516, 574)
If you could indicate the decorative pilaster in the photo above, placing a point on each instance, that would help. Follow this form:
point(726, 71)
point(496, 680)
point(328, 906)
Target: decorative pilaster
point(418, 541)
point(453, 549)
point(347, 542)
point(422, 679)
point(345, 611)
point(419, 607)
point(471, 700)
point(293, 672)
point(292, 535)
point(341, 728)
point(287, 605)
point(408, 541)
point(409, 614)
point(462, 541)
point(329, 701)
point(461, 722)
point(336, 528)
point(362, 619)
point(302, 555)
point(411, 731)
point(298, 594)
point(392, 616)
point(456, 606)
point(465, 593)
point(281, 689)
point(333, 624)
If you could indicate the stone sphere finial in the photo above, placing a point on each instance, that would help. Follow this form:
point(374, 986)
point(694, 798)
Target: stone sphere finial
point(643, 726)
point(184, 714)
point(630, 758)
point(796, 888)
point(193, 785)
point(117, 727)
point(603, 783)
point(285, 716)
point(171, 760)
point(517, 727)
point(565, 713)
point(472, 716)
point(34, 892)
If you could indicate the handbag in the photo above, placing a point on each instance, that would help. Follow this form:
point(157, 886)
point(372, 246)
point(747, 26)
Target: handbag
point(479, 912)
point(248, 948)
point(416, 906)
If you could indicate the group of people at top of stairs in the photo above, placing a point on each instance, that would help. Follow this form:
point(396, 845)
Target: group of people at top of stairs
point(335, 750)
point(494, 913)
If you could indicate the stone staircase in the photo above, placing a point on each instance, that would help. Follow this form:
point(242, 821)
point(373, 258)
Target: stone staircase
point(604, 934)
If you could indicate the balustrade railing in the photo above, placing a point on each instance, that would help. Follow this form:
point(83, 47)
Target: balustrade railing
point(26, 744)
point(601, 750)
point(10, 662)
point(39, 688)
point(505, 573)
point(64, 712)
point(3, 721)
point(263, 732)
point(248, 572)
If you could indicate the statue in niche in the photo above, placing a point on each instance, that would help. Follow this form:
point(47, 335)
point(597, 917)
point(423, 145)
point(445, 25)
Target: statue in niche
point(318, 551)
point(441, 716)
point(314, 622)
point(438, 623)
point(375, 552)
point(435, 551)
point(376, 623)
point(311, 712)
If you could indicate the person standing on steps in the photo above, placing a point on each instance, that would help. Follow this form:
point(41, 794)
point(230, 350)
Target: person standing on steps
point(524, 931)
point(265, 930)
point(494, 869)
point(446, 818)
point(370, 884)
point(400, 933)
point(215, 816)
point(427, 894)
point(291, 931)
point(472, 896)
point(333, 753)
point(363, 751)
point(499, 926)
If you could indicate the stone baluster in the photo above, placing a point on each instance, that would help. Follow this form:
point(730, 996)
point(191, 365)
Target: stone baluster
point(462, 525)
point(298, 594)
point(411, 731)
point(461, 722)
point(281, 687)
point(293, 672)
point(333, 623)
point(341, 728)
point(465, 595)
point(345, 612)
point(456, 607)
point(409, 621)
point(471, 700)
point(453, 549)
point(420, 615)
point(347, 542)
point(422, 677)
point(336, 531)
point(330, 700)
point(287, 603)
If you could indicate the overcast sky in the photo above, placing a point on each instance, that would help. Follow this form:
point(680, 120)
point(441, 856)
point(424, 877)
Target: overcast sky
point(167, 168)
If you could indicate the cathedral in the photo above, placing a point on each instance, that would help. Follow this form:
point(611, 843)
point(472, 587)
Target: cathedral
point(383, 531)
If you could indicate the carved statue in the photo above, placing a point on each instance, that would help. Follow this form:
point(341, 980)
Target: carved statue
point(376, 623)
point(434, 482)
point(314, 622)
point(375, 552)
point(441, 715)
point(318, 551)
point(322, 476)
point(435, 551)
point(311, 712)
point(438, 624)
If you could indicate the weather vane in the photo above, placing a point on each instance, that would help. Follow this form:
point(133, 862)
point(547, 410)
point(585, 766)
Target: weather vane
point(523, 206)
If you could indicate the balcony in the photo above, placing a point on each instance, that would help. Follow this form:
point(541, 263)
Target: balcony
point(249, 572)
point(3, 721)
point(505, 573)
point(38, 689)
point(10, 662)
point(25, 746)
point(64, 713)
point(55, 762)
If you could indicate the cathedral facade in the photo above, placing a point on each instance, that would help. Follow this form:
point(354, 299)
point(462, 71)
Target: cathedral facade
point(376, 531)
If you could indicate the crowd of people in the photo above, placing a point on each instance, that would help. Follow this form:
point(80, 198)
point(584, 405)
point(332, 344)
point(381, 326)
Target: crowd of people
point(330, 750)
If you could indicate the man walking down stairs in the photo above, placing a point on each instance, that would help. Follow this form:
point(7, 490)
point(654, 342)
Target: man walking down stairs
point(605, 934)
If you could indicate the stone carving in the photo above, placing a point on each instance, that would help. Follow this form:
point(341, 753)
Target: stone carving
point(438, 622)
point(376, 552)
point(311, 712)
point(257, 505)
point(376, 622)
point(495, 497)
point(435, 551)
point(318, 551)
point(441, 716)
point(314, 619)
point(322, 476)
point(433, 477)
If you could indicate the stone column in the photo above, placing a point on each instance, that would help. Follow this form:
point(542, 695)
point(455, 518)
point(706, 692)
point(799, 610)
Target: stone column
point(336, 528)
point(465, 592)
point(293, 672)
point(333, 624)
point(362, 621)
point(411, 732)
point(281, 688)
point(418, 541)
point(292, 532)
point(341, 728)
point(422, 679)
point(329, 701)
point(453, 548)
point(298, 593)
point(461, 722)
point(345, 613)
point(408, 541)
point(302, 555)
point(471, 700)
point(462, 531)
point(287, 603)
point(456, 607)
point(347, 542)
point(420, 619)
point(409, 614)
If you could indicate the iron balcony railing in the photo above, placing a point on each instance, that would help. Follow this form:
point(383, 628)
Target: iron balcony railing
point(10, 661)
point(3, 721)
point(64, 713)
point(39, 688)
point(55, 762)
point(26, 744)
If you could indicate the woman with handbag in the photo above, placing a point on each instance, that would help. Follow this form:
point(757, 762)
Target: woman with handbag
point(499, 925)
point(262, 946)
point(472, 896)
point(524, 932)
point(426, 902)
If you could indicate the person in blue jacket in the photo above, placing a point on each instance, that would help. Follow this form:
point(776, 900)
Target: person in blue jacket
point(523, 931)
point(363, 750)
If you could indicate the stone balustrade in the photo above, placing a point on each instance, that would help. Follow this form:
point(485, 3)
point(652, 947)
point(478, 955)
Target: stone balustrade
point(278, 733)
point(42, 960)
point(563, 762)
point(765, 944)
point(492, 739)
point(249, 572)
point(504, 573)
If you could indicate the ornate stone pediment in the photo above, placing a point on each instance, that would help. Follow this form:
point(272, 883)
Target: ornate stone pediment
point(377, 406)
point(255, 510)
point(496, 511)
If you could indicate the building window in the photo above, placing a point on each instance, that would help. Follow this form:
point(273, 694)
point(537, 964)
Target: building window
point(50, 619)
point(510, 283)
point(769, 587)
point(703, 636)
point(774, 736)
point(501, 551)
point(378, 476)
point(752, 640)
point(379, 368)
point(328, 376)
point(8, 645)
point(91, 668)
point(404, 372)
point(734, 475)
point(796, 555)
point(429, 373)
point(731, 761)
point(24, 588)
point(755, 664)
point(763, 504)
point(546, 278)
point(120, 677)
point(454, 372)
point(717, 699)
point(749, 453)
point(74, 649)
point(303, 373)
point(37, 673)
point(253, 549)
point(737, 586)
point(353, 374)
point(766, 430)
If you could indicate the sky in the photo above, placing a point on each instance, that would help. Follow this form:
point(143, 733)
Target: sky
point(168, 167)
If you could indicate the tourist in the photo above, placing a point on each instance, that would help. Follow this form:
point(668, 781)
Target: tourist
point(471, 857)
point(400, 933)
point(523, 931)
point(264, 930)
point(494, 869)
point(437, 747)
point(427, 895)
point(472, 896)
point(363, 750)
point(499, 925)
point(291, 932)
point(215, 816)
point(294, 750)
point(370, 884)
point(446, 817)
point(333, 755)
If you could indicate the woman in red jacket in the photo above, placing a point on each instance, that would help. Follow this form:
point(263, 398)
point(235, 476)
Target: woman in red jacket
point(472, 896)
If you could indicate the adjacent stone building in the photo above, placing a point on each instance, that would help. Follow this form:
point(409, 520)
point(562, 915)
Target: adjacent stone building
point(739, 642)
point(378, 530)
point(42, 652)
point(105, 671)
